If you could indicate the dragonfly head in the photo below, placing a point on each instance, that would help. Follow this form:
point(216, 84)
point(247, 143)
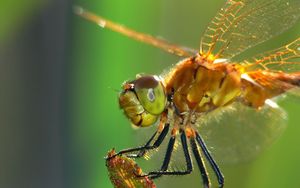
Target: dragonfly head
point(143, 100)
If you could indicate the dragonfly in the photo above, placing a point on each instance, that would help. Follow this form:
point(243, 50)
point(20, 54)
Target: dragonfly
point(208, 94)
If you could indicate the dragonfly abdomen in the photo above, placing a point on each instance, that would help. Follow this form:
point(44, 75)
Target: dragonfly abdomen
point(265, 84)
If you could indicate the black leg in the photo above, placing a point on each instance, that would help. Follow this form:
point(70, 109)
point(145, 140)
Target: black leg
point(164, 167)
point(142, 152)
point(213, 164)
point(200, 163)
point(167, 158)
point(142, 149)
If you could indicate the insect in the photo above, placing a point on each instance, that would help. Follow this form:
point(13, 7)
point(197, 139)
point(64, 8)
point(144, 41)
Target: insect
point(210, 83)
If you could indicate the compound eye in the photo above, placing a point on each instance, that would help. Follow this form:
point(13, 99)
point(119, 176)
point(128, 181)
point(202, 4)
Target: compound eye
point(151, 94)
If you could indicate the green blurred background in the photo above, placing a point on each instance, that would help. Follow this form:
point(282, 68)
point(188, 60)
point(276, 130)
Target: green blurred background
point(59, 76)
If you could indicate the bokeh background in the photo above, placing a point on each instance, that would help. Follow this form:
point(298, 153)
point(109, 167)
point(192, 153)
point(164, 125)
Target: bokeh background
point(59, 112)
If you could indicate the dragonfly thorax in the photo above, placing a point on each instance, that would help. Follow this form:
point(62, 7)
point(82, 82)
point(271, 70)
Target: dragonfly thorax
point(200, 86)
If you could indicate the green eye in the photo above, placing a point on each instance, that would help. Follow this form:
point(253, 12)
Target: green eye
point(151, 94)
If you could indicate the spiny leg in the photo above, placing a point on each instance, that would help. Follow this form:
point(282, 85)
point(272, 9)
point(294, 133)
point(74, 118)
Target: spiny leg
point(156, 144)
point(163, 170)
point(142, 152)
point(213, 164)
point(200, 163)
point(142, 149)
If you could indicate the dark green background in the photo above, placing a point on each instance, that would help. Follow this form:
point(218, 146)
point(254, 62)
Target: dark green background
point(98, 61)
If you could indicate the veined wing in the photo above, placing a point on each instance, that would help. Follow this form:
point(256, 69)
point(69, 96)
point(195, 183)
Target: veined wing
point(286, 58)
point(241, 24)
point(237, 133)
point(148, 39)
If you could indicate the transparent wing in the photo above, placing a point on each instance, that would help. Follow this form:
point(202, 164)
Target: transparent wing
point(237, 133)
point(148, 39)
point(286, 58)
point(242, 24)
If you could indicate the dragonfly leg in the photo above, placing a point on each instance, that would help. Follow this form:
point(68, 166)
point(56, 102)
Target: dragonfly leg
point(200, 163)
point(213, 164)
point(142, 149)
point(163, 170)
